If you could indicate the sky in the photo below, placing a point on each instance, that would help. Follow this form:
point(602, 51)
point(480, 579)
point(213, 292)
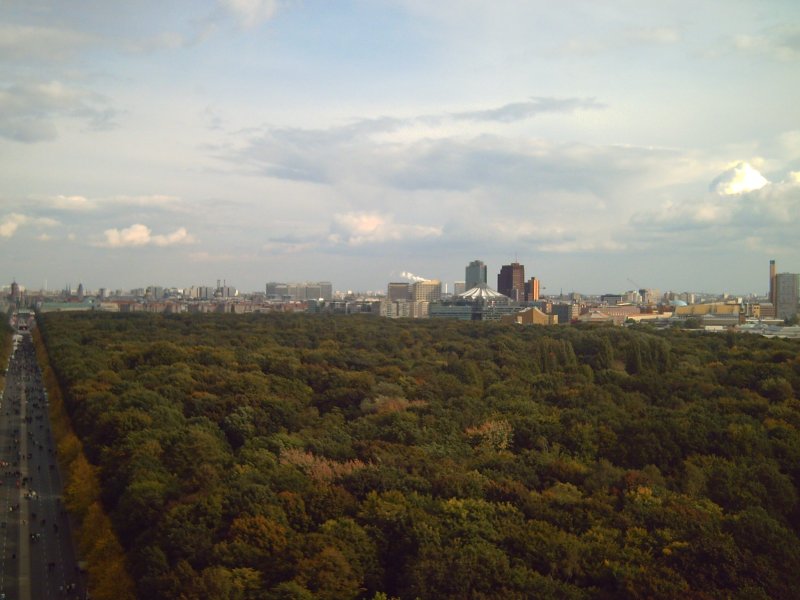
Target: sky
point(606, 145)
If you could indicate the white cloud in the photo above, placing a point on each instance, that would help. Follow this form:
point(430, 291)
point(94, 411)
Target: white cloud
point(77, 203)
point(141, 235)
point(12, 222)
point(251, 13)
point(740, 177)
point(163, 201)
point(357, 228)
point(179, 236)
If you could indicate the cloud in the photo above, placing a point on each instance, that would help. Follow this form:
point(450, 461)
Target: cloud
point(77, 203)
point(622, 41)
point(141, 235)
point(166, 40)
point(740, 177)
point(778, 43)
point(18, 43)
point(71, 203)
point(251, 13)
point(288, 246)
point(161, 201)
point(763, 215)
point(554, 237)
point(28, 111)
point(406, 153)
point(12, 222)
point(358, 228)
point(517, 111)
point(654, 35)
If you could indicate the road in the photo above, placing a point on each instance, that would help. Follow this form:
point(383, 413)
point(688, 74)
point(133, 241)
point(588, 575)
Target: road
point(37, 555)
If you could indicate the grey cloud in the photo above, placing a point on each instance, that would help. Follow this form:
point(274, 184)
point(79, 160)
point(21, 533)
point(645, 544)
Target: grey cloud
point(625, 40)
point(537, 166)
point(770, 212)
point(28, 112)
point(479, 189)
point(328, 155)
point(27, 129)
point(654, 35)
point(27, 43)
point(313, 155)
point(779, 43)
point(518, 111)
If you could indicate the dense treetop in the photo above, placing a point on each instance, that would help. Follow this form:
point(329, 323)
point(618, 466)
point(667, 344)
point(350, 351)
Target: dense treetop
point(290, 456)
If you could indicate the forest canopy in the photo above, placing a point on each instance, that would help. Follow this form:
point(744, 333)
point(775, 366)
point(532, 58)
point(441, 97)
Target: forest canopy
point(295, 456)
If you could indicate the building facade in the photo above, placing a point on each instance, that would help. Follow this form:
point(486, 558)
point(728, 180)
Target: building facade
point(511, 281)
point(532, 290)
point(786, 295)
point(475, 274)
point(398, 291)
point(317, 290)
point(429, 290)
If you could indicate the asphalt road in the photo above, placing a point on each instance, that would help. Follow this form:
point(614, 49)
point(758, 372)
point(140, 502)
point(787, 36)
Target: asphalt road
point(37, 555)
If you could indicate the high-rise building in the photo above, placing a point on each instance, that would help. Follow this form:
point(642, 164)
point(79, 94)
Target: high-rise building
point(459, 287)
point(787, 291)
point(511, 281)
point(398, 291)
point(475, 274)
point(532, 290)
point(772, 282)
point(429, 290)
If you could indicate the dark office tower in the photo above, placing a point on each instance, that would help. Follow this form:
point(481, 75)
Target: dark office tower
point(511, 281)
point(772, 289)
point(398, 291)
point(475, 275)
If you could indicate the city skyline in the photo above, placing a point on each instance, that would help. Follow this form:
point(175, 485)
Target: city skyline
point(608, 147)
point(408, 280)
